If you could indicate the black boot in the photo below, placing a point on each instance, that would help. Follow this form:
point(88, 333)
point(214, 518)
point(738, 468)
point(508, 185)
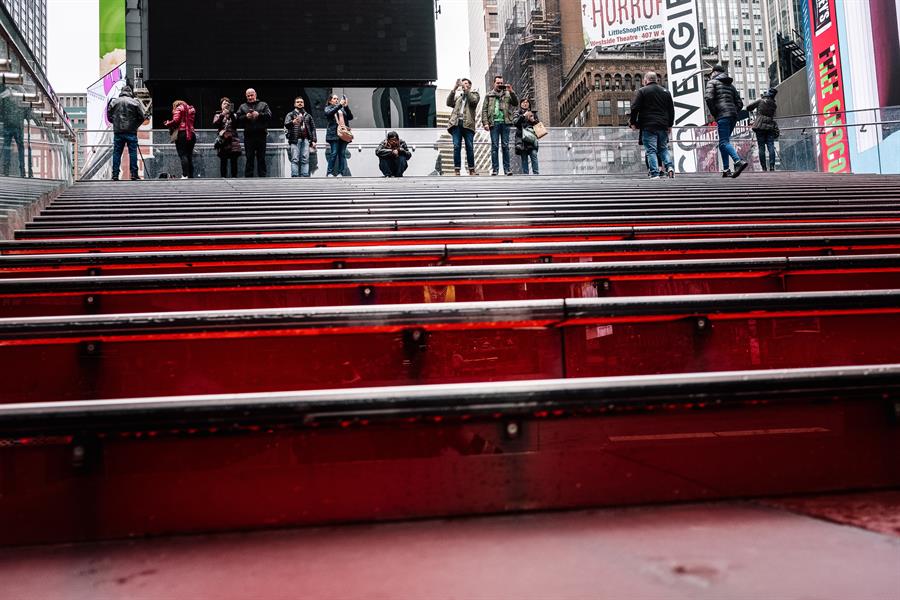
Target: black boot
point(772, 165)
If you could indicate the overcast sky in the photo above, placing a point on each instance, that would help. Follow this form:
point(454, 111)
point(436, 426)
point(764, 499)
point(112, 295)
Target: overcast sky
point(73, 31)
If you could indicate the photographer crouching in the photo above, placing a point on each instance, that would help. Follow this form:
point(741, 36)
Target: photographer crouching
point(393, 155)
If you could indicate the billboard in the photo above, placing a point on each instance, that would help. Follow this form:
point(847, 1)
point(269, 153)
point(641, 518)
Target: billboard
point(616, 22)
point(311, 41)
point(685, 78)
point(858, 42)
point(112, 35)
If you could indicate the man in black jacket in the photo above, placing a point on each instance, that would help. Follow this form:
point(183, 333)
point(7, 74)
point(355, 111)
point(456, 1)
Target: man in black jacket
point(300, 132)
point(255, 115)
point(724, 102)
point(126, 113)
point(392, 155)
point(653, 112)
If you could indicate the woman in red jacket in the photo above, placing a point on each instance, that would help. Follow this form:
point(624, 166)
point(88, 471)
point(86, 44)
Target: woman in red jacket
point(182, 122)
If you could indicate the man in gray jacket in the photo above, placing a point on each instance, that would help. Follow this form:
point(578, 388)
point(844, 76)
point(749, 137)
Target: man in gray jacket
point(500, 104)
point(126, 114)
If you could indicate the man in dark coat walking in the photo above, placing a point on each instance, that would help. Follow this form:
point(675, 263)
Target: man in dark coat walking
point(653, 113)
point(724, 102)
point(765, 127)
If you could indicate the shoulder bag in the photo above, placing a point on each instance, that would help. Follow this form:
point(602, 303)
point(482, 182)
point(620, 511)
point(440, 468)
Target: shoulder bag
point(539, 130)
point(344, 132)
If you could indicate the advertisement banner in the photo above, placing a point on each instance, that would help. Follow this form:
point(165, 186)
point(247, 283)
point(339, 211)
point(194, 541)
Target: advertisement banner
point(112, 35)
point(827, 98)
point(615, 22)
point(685, 67)
point(869, 36)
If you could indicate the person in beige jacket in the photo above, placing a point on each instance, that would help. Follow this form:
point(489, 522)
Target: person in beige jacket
point(462, 124)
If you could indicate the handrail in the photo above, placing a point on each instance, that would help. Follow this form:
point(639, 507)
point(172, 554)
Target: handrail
point(483, 399)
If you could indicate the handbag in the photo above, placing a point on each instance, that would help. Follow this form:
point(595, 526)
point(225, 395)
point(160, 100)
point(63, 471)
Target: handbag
point(343, 132)
point(529, 136)
point(539, 130)
point(220, 142)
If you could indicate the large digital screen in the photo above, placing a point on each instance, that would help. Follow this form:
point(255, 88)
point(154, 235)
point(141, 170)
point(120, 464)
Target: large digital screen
point(308, 40)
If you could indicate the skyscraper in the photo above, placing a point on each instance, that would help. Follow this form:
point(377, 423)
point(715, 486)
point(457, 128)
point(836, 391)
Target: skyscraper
point(30, 16)
point(785, 38)
point(484, 36)
point(736, 28)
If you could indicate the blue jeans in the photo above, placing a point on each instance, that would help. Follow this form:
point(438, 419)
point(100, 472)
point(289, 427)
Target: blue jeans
point(300, 158)
point(656, 145)
point(530, 154)
point(460, 133)
point(726, 127)
point(119, 142)
point(499, 138)
point(766, 140)
point(337, 161)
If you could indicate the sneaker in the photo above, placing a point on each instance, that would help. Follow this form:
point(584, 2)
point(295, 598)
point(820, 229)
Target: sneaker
point(655, 177)
point(739, 167)
point(184, 176)
point(509, 173)
point(670, 173)
point(494, 173)
point(115, 177)
point(727, 173)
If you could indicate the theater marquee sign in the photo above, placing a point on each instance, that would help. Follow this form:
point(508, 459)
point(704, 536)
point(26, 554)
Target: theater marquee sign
point(616, 22)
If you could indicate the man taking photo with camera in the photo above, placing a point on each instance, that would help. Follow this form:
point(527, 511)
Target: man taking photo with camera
point(500, 104)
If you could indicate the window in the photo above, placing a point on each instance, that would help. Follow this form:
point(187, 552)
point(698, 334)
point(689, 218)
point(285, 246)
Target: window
point(617, 82)
point(598, 82)
point(607, 81)
point(628, 84)
point(603, 108)
point(624, 107)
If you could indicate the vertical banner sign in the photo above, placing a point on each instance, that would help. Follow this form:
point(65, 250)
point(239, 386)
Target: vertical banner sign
point(827, 87)
point(112, 35)
point(614, 22)
point(683, 58)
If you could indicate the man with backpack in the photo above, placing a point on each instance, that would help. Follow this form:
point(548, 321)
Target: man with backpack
point(126, 114)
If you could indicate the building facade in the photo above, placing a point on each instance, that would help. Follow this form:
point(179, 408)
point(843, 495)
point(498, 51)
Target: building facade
point(599, 88)
point(484, 40)
point(75, 107)
point(736, 31)
point(30, 16)
point(785, 39)
point(539, 38)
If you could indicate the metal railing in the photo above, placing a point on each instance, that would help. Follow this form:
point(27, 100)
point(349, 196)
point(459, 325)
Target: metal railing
point(36, 140)
point(574, 150)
